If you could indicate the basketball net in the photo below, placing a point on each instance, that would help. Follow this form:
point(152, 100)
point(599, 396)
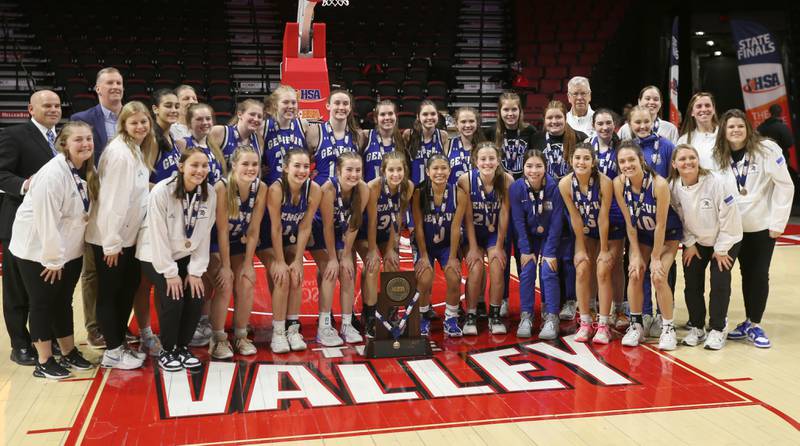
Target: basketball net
point(305, 16)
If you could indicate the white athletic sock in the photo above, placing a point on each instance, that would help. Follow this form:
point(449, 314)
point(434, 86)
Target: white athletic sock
point(240, 332)
point(451, 310)
point(278, 325)
point(666, 321)
point(604, 320)
point(325, 319)
point(586, 318)
point(347, 319)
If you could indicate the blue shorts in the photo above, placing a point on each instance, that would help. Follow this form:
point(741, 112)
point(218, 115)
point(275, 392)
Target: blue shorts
point(317, 239)
point(265, 233)
point(381, 237)
point(236, 245)
point(646, 237)
point(485, 239)
point(435, 253)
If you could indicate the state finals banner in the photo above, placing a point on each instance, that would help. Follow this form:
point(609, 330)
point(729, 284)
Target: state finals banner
point(760, 73)
point(674, 114)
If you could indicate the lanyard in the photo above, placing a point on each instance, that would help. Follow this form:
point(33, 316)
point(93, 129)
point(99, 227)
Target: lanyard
point(246, 207)
point(337, 149)
point(487, 213)
point(741, 176)
point(342, 213)
point(79, 184)
point(583, 202)
point(635, 207)
point(605, 160)
point(190, 204)
point(555, 156)
point(394, 209)
point(253, 140)
point(439, 213)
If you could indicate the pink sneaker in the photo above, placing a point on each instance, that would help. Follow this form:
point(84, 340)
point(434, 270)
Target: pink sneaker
point(603, 335)
point(584, 332)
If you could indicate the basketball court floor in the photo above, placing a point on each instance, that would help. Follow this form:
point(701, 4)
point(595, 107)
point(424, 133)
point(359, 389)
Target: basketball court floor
point(473, 391)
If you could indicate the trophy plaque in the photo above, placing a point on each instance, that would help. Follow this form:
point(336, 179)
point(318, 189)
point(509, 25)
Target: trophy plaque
point(397, 319)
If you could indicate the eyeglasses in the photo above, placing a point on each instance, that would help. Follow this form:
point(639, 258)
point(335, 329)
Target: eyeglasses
point(579, 94)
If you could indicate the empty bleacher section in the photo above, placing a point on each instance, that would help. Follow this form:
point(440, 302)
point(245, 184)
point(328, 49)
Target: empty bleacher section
point(391, 50)
point(555, 41)
point(155, 45)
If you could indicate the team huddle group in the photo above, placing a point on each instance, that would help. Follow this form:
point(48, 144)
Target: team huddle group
point(175, 202)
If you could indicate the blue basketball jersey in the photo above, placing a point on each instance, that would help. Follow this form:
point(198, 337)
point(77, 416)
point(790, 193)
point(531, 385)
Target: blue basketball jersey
point(292, 214)
point(373, 155)
point(277, 142)
point(232, 139)
point(657, 152)
point(588, 205)
point(459, 158)
point(424, 151)
point(642, 209)
point(329, 150)
point(606, 161)
point(485, 206)
point(557, 166)
point(214, 165)
point(438, 219)
point(166, 165)
point(388, 214)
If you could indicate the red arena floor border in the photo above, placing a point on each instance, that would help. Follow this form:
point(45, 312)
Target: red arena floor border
point(335, 392)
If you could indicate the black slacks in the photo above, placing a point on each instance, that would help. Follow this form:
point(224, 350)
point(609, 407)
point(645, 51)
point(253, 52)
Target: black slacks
point(178, 318)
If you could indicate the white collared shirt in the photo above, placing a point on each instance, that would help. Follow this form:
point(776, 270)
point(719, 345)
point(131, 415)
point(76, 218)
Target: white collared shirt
point(582, 123)
point(704, 143)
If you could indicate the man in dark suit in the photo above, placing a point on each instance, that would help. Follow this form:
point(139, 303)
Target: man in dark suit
point(103, 119)
point(24, 149)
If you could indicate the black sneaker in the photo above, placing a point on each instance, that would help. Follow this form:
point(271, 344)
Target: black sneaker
point(431, 314)
point(75, 360)
point(169, 361)
point(56, 349)
point(356, 323)
point(482, 314)
point(50, 369)
point(369, 330)
point(188, 360)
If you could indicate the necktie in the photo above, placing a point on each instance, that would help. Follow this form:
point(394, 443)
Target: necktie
point(51, 140)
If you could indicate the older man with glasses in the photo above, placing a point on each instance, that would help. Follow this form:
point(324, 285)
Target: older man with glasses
point(580, 114)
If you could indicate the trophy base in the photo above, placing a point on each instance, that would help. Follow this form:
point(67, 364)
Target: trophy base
point(385, 348)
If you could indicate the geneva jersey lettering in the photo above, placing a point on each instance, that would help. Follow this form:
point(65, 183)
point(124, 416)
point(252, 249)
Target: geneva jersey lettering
point(166, 165)
point(278, 141)
point(459, 159)
point(329, 150)
point(373, 155)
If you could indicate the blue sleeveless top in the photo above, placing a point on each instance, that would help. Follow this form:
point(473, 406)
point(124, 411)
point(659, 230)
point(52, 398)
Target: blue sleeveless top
point(388, 214)
point(277, 142)
point(459, 159)
point(232, 140)
point(437, 220)
point(166, 165)
point(425, 150)
point(373, 156)
point(485, 207)
point(329, 150)
point(643, 209)
point(291, 213)
point(214, 165)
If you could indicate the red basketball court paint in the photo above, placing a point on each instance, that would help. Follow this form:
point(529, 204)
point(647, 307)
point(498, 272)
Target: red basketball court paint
point(335, 392)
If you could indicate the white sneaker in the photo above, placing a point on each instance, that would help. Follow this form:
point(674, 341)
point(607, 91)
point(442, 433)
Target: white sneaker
point(350, 334)
point(120, 358)
point(525, 325)
point(220, 348)
point(568, 310)
point(279, 343)
point(715, 340)
point(202, 334)
point(634, 335)
point(328, 337)
point(668, 339)
point(504, 308)
point(470, 327)
point(655, 327)
point(550, 327)
point(295, 339)
point(694, 337)
point(245, 347)
point(135, 352)
point(496, 326)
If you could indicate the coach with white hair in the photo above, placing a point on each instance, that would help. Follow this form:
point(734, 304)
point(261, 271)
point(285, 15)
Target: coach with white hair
point(579, 95)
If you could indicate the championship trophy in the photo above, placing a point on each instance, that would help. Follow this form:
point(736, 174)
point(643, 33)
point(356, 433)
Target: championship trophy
point(397, 319)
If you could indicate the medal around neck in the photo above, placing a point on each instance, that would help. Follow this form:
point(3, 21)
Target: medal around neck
point(397, 319)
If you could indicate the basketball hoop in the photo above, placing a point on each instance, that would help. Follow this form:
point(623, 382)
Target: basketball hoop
point(335, 2)
point(305, 16)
